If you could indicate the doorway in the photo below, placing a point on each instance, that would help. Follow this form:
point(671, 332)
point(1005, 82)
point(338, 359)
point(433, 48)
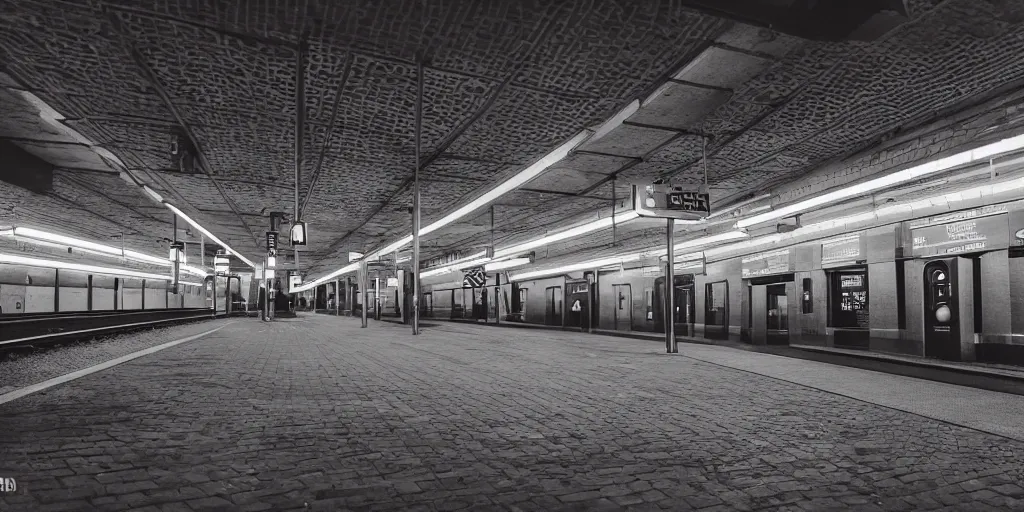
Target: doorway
point(777, 321)
point(553, 316)
point(623, 307)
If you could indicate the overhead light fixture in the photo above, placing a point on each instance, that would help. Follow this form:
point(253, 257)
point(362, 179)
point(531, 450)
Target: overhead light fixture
point(711, 239)
point(576, 267)
point(455, 266)
point(943, 164)
point(513, 183)
point(38, 262)
point(60, 241)
point(355, 256)
point(209, 235)
point(590, 227)
point(502, 265)
point(755, 242)
point(152, 193)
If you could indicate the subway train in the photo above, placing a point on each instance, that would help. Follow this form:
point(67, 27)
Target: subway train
point(949, 286)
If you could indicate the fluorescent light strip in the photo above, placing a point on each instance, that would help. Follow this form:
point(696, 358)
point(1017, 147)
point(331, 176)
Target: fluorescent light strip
point(516, 181)
point(502, 265)
point(569, 233)
point(60, 241)
point(575, 267)
point(453, 268)
point(36, 262)
point(209, 235)
point(975, 155)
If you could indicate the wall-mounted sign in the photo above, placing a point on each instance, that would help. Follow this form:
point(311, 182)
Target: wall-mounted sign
point(974, 233)
point(767, 263)
point(271, 241)
point(671, 202)
point(842, 251)
point(392, 282)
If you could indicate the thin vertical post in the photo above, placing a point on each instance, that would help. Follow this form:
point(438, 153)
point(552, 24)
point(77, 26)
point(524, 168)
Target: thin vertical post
point(56, 291)
point(416, 203)
point(300, 132)
point(670, 288)
point(177, 257)
point(337, 297)
point(88, 298)
point(615, 204)
point(202, 251)
point(362, 289)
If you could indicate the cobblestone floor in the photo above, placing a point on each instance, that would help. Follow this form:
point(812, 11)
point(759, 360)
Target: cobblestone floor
point(318, 414)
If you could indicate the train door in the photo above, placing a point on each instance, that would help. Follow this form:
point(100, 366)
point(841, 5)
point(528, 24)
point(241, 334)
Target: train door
point(623, 307)
point(684, 310)
point(578, 314)
point(777, 321)
point(553, 316)
point(427, 308)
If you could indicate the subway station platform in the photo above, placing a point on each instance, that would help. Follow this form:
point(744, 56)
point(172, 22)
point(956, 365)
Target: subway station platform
point(315, 413)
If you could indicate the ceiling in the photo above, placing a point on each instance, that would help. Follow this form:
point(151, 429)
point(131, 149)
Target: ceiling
point(503, 83)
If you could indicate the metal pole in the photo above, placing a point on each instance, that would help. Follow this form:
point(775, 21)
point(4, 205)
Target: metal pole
point(300, 132)
point(202, 250)
point(337, 297)
point(362, 288)
point(416, 203)
point(177, 257)
point(614, 206)
point(376, 296)
point(670, 288)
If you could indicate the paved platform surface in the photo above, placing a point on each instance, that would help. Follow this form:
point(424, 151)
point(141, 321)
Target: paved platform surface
point(318, 414)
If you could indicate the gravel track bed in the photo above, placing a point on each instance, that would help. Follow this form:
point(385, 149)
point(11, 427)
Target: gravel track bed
point(25, 368)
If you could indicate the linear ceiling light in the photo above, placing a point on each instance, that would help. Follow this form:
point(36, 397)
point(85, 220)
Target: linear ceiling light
point(36, 262)
point(569, 233)
point(575, 267)
point(502, 265)
point(61, 241)
point(516, 181)
point(209, 235)
point(747, 244)
point(454, 267)
point(942, 164)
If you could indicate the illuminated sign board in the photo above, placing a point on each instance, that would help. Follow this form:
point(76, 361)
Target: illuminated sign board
point(766, 264)
point(842, 251)
point(670, 201)
point(967, 232)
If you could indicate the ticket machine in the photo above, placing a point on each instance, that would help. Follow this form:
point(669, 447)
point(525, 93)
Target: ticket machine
point(949, 309)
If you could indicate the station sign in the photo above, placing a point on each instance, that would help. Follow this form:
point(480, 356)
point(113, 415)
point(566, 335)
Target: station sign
point(671, 202)
point(977, 230)
point(767, 263)
point(844, 250)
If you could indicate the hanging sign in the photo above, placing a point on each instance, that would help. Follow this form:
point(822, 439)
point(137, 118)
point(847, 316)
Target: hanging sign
point(671, 202)
point(474, 278)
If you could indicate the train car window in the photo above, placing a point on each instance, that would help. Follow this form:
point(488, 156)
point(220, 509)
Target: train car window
point(649, 304)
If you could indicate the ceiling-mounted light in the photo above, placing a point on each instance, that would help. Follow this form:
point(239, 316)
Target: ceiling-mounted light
point(464, 263)
point(590, 227)
point(37, 262)
point(502, 265)
point(209, 235)
point(983, 153)
point(576, 267)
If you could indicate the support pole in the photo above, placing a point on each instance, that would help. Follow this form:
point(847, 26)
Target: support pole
point(670, 288)
point(362, 289)
point(337, 297)
point(614, 207)
point(177, 258)
point(300, 133)
point(416, 203)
